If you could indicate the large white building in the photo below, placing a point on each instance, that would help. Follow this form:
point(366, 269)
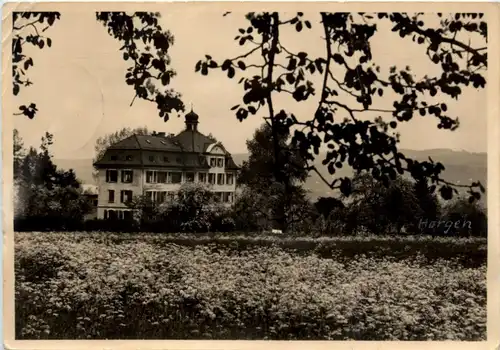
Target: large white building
point(157, 165)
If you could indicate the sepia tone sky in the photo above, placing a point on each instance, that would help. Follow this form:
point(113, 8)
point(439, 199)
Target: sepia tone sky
point(81, 94)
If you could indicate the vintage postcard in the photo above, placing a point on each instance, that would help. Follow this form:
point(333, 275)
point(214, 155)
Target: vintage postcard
point(250, 175)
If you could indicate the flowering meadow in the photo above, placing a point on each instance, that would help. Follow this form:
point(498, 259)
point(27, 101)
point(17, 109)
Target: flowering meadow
point(110, 286)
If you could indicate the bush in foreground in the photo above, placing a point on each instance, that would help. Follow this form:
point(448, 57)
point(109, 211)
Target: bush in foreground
point(96, 289)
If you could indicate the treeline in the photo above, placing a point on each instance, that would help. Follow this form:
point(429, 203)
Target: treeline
point(272, 194)
point(404, 208)
point(51, 199)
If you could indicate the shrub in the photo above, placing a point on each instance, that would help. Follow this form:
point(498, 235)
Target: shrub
point(194, 209)
point(58, 208)
point(468, 219)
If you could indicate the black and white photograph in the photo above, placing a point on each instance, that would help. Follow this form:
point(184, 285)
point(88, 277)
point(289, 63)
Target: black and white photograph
point(207, 172)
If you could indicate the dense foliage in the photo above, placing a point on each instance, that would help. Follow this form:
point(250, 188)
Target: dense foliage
point(194, 208)
point(277, 193)
point(78, 286)
point(45, 197)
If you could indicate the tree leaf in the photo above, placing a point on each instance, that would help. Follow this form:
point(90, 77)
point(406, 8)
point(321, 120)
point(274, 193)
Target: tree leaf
point(165, 79)
point(28, 63)
point(204, 69)
point(338, 58)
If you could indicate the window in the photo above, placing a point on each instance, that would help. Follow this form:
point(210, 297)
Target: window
point(125, 196)
point(202, 177)
point(128, 158)
point(152, 195)
point(165, 159)
point(211, 179)
point(151, 177)
point(229, 179)
point(228, 197)
point(111, 175)
point(213, 162)
point(189, 177)
point(176, 177)
point(152, 158)
point(157, 196)
point(114, 157)
point(118, 214)
point(111, 196)
point(179, 160)
point(220, 179)
point(162, 196)
point(220, 162)
point(162, 177)
point(127, 176)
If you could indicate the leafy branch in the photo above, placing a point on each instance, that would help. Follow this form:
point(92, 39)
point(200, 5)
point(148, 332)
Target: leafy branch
point(365, 145)
point(28, 28)
point(146, 45)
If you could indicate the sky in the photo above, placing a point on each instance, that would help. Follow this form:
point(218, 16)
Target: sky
point(81, 94)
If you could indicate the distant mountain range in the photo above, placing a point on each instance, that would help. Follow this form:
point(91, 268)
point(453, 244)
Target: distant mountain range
point(461, 167)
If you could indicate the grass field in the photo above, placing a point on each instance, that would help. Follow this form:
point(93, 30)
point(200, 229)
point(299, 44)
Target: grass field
point(110, 286)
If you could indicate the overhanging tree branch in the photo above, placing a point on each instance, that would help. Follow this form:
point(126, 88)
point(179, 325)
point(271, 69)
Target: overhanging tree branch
point(364, 145)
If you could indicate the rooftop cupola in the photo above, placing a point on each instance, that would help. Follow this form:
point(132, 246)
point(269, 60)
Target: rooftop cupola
point(191, 120)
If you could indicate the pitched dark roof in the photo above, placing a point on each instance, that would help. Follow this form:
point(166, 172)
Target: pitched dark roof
point(193, 141)
point(183, 150)
point(128, 143)
point(120, 157)
point(230, 164)
point(157, 143)
point(175, 160)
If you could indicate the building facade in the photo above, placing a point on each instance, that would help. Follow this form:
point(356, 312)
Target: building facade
point(158, 165)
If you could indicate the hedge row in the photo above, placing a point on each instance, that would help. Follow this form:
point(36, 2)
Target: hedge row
point(470, 252)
